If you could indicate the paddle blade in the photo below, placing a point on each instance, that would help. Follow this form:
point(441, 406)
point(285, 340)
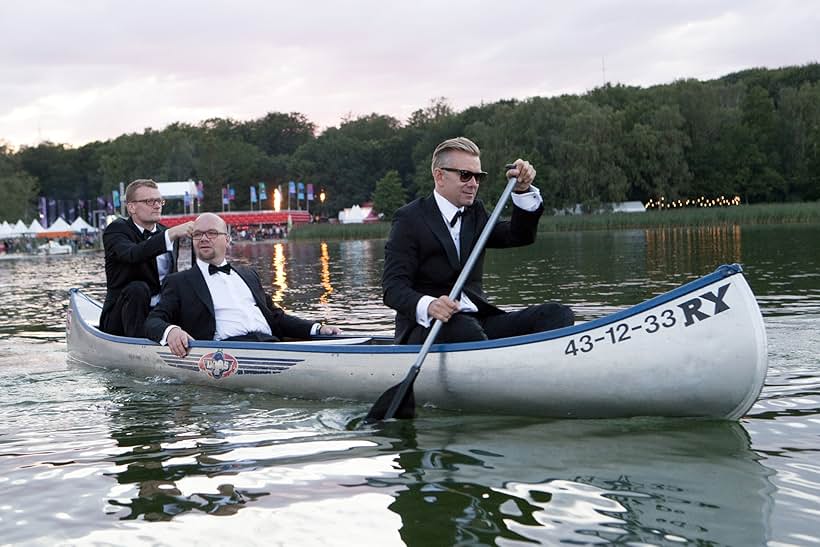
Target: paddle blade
point(405, 411)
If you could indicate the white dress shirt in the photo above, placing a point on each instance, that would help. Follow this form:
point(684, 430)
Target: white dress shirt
point(163, 260)
point(235, 310)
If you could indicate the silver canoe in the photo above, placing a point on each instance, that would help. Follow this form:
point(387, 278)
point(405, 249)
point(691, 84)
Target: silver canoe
point(698, 350)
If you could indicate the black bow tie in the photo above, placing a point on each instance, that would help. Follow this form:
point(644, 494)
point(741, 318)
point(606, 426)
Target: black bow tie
point(455, 218)
point(146, 234)
point(226, 269)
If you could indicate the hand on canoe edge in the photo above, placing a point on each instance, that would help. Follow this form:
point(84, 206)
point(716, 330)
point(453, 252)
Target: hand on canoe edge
point(179, 341)
point(443, 308)
point(330, 330)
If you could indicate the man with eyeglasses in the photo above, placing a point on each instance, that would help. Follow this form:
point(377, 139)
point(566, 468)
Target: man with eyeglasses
point(139, 253)
point(431, 239)
point(217, 300)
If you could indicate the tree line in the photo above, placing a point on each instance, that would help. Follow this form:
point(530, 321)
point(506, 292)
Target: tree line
point(753, 134)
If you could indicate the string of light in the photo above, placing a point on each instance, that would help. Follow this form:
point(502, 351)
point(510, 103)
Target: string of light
point(702, 201)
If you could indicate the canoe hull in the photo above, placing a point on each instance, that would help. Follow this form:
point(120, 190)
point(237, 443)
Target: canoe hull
point(699, 350)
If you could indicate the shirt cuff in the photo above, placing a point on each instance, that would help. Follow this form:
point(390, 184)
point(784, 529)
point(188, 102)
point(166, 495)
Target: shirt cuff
point(314, 330)
point(168, 245)
point(422, 317)
point(168, 329)
point(529, 201)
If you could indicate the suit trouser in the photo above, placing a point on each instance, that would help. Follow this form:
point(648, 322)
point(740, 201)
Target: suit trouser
point(469, 327)
point(127, 316)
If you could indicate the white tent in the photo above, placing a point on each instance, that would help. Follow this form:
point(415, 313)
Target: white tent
point(35, 227)
point(19, 228)
point(80, 224)
point(60, 226)
point(177, 189)
point(5, 229)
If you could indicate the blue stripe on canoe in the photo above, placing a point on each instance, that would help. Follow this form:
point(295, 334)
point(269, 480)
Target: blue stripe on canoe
point(722, 272)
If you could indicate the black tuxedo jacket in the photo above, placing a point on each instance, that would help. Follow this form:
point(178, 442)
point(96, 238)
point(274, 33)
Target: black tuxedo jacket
point(186, 302)
point(129, 258)
point(421, 258)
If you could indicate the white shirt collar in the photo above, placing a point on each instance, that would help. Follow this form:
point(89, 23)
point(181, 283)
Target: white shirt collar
point(143, 229)
point(203, 266)
point(447, 209)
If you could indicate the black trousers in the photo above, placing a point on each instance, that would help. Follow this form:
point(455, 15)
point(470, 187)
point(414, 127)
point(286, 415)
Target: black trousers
point(127, 317)
point(470, 327)
point(252, 337)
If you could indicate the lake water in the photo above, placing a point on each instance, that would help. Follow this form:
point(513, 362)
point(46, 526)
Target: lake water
point(91, 457)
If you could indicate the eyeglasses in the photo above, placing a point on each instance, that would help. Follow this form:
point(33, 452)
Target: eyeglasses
point(150, 202)
point(212, 234)
point(465, 176)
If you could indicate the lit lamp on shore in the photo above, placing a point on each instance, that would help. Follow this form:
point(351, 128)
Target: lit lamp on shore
point(322, 201)
point(277, 199)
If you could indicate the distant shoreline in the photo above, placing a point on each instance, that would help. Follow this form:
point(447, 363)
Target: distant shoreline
point(772, 213)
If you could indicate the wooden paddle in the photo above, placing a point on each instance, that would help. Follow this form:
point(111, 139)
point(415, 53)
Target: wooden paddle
point(399, 401)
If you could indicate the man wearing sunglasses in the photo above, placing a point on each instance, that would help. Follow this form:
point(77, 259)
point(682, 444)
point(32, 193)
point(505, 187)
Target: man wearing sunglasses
point(139, 253)
point(217, 300)
point(431, 239)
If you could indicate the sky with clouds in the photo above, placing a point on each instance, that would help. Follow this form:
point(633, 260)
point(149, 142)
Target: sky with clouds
point(85, 70)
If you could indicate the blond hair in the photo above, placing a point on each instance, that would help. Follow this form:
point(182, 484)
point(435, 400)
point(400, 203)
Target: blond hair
point(132, 188)
point(458, 144)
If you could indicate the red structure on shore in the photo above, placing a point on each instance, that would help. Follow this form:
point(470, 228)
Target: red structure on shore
point(246, 219)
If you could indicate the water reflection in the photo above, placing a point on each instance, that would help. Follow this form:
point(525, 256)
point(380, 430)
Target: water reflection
point(627, 481)
point(184, 449)
point(280, 279)
point(693, 250)
point(325, 274)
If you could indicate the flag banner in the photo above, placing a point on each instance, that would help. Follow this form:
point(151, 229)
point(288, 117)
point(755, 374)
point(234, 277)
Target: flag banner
point(186, 200)
point(310, 192)
point(253, 194)
point(200, 191)
point(224, 196)
point(115, 194)
point(231, 193)
point(291, 187)
point(262, 193)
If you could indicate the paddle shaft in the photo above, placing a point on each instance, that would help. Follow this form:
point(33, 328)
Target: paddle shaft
point(407, 383)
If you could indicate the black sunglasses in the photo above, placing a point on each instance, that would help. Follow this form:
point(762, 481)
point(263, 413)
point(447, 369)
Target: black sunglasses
point(465, 176)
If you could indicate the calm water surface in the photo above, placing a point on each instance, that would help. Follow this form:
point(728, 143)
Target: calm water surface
point(93, 457)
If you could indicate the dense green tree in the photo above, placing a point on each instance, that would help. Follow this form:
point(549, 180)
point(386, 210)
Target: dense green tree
point(754, 133)
point(389, 195)
point(18, 188)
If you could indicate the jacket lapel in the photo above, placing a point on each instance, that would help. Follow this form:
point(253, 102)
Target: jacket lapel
point(433, 218)
point(467, 235)
point(249, 280)
point(201, 289)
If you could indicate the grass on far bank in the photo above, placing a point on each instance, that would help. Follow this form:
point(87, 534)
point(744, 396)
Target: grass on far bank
point(770, 213)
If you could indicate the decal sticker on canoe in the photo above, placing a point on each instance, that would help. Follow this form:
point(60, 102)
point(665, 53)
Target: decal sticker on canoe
point(219, 364)
point(694, 311)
